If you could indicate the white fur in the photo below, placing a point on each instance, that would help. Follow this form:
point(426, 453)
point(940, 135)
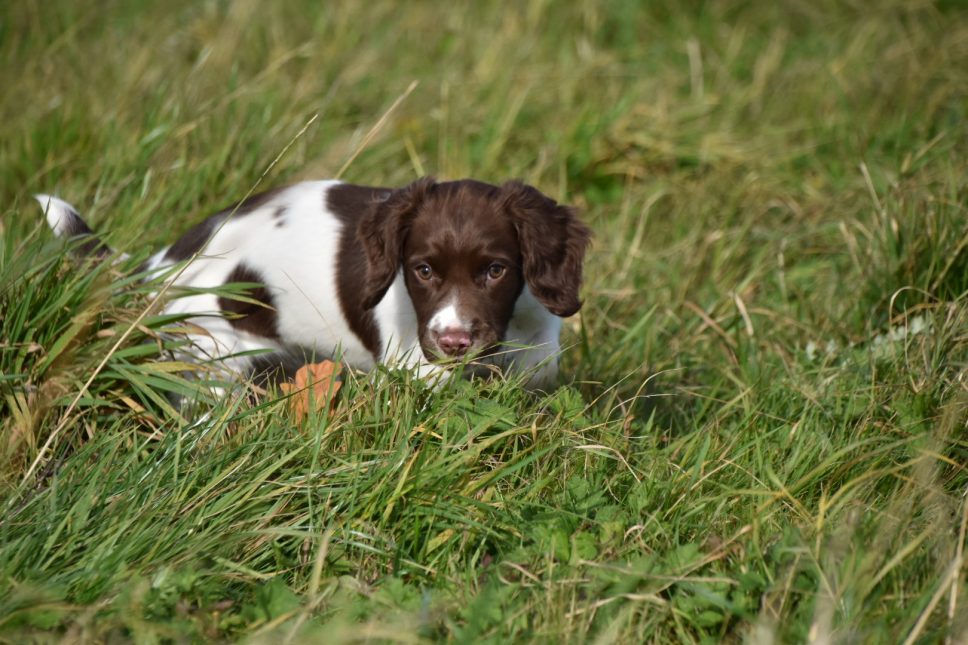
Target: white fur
point(532, 341)
point(59, 213)
point(297, 261)
point(447, 318)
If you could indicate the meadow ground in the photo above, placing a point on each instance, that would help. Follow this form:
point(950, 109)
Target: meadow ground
point(760, 431)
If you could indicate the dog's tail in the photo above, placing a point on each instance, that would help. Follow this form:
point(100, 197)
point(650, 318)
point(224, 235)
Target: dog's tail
point(65, 221)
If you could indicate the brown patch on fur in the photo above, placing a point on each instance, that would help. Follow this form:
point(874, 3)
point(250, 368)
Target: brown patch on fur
point(259, 317)
point(195, 239)
point(277, 216)
point(252, 202)
point(382, 231)
point(353, 205)
point(553, 242)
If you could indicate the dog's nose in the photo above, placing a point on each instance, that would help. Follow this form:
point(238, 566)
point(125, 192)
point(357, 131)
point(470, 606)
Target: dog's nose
point(454, 342)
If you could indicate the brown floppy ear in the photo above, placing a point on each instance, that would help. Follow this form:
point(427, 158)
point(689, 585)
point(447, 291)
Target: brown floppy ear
point(553, 242)
point(382, 232)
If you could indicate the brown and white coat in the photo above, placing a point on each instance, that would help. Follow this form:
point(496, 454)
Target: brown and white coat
point(417, 276)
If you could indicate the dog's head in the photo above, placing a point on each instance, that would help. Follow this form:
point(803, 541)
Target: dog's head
point(467, 249)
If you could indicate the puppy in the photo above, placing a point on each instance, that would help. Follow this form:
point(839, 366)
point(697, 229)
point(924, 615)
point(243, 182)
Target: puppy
point(422, 276)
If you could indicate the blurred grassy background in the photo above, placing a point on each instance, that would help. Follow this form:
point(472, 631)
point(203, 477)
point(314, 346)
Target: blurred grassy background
point(762, 429)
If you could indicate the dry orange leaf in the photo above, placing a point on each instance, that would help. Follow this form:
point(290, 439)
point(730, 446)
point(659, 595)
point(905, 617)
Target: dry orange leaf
point(315, 384)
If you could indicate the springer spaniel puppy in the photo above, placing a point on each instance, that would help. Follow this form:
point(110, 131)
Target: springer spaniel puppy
point(421, 276)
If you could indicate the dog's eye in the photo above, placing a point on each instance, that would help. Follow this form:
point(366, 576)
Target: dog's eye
point(423, 271)
point(495, 271)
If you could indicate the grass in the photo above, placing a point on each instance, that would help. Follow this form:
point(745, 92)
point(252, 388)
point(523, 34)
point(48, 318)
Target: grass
point(760, 431)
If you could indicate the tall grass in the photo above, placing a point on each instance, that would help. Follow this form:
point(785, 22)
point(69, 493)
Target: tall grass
point(760, 430)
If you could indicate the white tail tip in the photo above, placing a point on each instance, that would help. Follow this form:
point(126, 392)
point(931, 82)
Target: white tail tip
point(62, 217)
